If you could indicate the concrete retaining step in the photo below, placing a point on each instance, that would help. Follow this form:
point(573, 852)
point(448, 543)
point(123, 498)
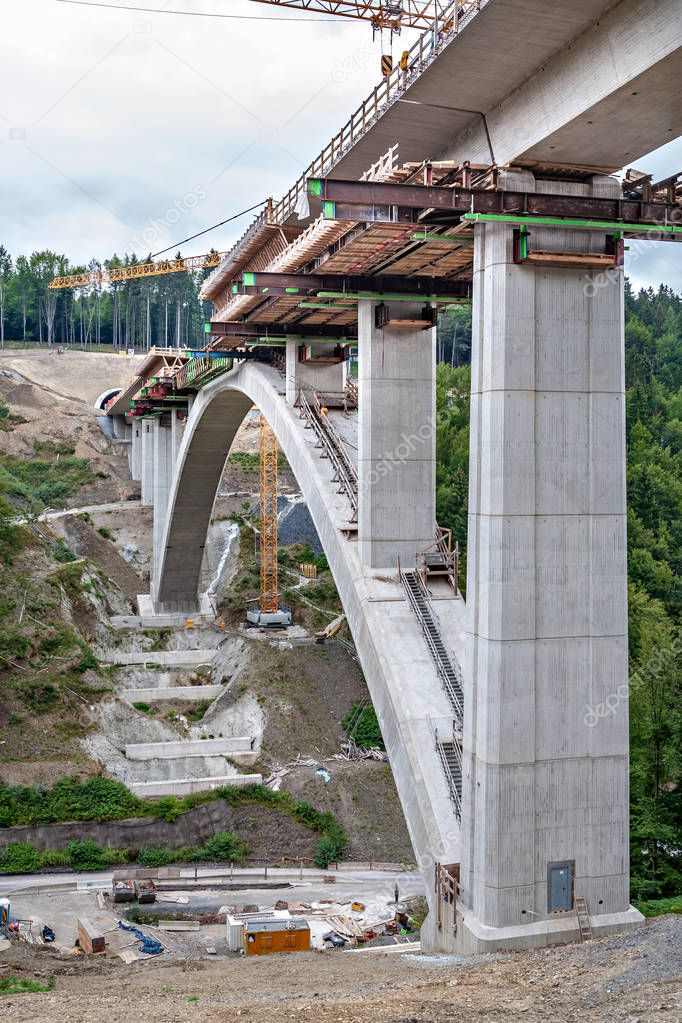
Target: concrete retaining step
point(171, 693)
point(188, 786)
point(188, 748)
point(166, 658)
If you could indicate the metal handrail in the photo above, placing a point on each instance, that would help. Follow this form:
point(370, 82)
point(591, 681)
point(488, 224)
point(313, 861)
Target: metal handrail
point(421, 55)
point(445, 671)
point(333, 446)
point(440, 749)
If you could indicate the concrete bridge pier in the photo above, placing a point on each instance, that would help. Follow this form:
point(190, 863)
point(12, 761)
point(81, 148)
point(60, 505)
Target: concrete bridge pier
point(135, 454)
point(396, 436)
point(147, 461)
point(328, 378)
point(164, 464)
point(545, 795)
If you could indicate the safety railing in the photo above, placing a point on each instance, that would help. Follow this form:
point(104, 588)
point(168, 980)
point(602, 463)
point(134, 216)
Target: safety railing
point(422, 54)
point(330, 440)
point(447, 667)
point(450, 755)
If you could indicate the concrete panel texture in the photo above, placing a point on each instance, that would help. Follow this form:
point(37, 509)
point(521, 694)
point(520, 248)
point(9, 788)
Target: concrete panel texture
point(546, 588)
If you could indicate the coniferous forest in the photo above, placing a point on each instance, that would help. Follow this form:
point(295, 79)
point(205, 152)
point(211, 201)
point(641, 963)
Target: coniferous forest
point(167, 311)
point(163, 310)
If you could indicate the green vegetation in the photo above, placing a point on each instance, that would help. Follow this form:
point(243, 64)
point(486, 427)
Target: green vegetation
point(45, 480)
point(362, 726)
point(144, 708)
point(653, 355)
point(22, 986)
point(102, 799)
point(658, 907)
point(24, 858)
point(106, 533)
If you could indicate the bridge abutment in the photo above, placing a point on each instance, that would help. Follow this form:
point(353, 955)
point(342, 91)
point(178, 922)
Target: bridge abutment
point(396, 436)
point(545, 794)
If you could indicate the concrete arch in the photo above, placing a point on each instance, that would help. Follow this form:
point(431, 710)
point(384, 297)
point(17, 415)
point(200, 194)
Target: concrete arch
point(405, 689)
point(105, 396)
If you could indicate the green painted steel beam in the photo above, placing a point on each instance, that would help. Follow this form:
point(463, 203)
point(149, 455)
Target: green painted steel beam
point(324, 305)
point(610, 226)
point(421, 299)
point(444, 239)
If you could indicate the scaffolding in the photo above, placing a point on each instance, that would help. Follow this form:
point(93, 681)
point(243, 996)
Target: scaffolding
point(269, 581)
point(269, 614)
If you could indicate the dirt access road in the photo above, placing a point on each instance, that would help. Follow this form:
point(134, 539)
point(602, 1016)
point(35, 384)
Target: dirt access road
point(629, 979)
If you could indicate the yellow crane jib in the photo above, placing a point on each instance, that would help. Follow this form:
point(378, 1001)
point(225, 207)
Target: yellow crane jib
point(127, 273)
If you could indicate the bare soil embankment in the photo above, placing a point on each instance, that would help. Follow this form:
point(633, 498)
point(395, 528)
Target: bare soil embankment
point(627, 978)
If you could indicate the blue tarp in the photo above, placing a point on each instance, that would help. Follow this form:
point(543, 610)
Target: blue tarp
point(150, 946)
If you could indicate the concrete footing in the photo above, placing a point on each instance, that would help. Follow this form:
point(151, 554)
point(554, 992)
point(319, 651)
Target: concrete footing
point(159, 693)
point(188, 786)
point(188, 748)
point(151, 618)
point(474, 938)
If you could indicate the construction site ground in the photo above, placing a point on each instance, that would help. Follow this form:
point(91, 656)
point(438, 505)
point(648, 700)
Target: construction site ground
point(634, 977)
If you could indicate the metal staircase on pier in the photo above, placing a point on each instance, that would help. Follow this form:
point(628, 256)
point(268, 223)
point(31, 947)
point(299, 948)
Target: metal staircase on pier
point(450, 750)
point(450, 754)
point(329, 439)
point(447, 667)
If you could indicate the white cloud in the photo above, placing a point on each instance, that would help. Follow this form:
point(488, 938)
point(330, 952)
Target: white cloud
point(119, 115)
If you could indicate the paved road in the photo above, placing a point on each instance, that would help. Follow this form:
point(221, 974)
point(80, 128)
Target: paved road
point(369, 884)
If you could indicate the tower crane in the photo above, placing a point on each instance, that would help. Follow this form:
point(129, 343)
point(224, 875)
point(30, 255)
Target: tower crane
point(391, 14)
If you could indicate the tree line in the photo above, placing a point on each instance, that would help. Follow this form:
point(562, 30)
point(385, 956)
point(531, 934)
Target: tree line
point(139, 313)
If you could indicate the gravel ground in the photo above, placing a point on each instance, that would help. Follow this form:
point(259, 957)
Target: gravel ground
point(631, 979)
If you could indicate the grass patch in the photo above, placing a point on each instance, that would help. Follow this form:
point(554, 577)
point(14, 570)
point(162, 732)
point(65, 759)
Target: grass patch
point(362, 726)
point(49, 479)
point(21, 986)
point(658, 907)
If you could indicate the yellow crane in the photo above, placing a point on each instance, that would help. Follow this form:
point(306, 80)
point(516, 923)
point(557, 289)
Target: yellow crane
point(390, 14)
point(127, 273)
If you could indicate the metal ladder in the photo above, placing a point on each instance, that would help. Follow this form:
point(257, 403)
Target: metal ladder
point(583, 916)
point(449, 672)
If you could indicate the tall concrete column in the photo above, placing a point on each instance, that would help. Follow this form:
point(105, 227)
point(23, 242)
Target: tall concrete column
point(327, 378)
point(136, 450)
point(147, 461)
point(545, 795)
point(177, 432)
point(396, 438)
point(164, 462)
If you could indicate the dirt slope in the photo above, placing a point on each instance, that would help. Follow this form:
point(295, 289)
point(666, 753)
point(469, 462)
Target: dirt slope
point(616, 980)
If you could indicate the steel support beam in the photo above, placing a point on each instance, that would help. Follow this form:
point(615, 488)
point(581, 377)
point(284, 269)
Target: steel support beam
point(293, 283)
point(378, 201)
point(321, 331)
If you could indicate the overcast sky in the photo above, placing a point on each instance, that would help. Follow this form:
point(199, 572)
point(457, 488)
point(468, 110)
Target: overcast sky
point(128, 131)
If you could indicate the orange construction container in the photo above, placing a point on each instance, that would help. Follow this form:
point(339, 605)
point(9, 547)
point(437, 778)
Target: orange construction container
point(264, 937)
